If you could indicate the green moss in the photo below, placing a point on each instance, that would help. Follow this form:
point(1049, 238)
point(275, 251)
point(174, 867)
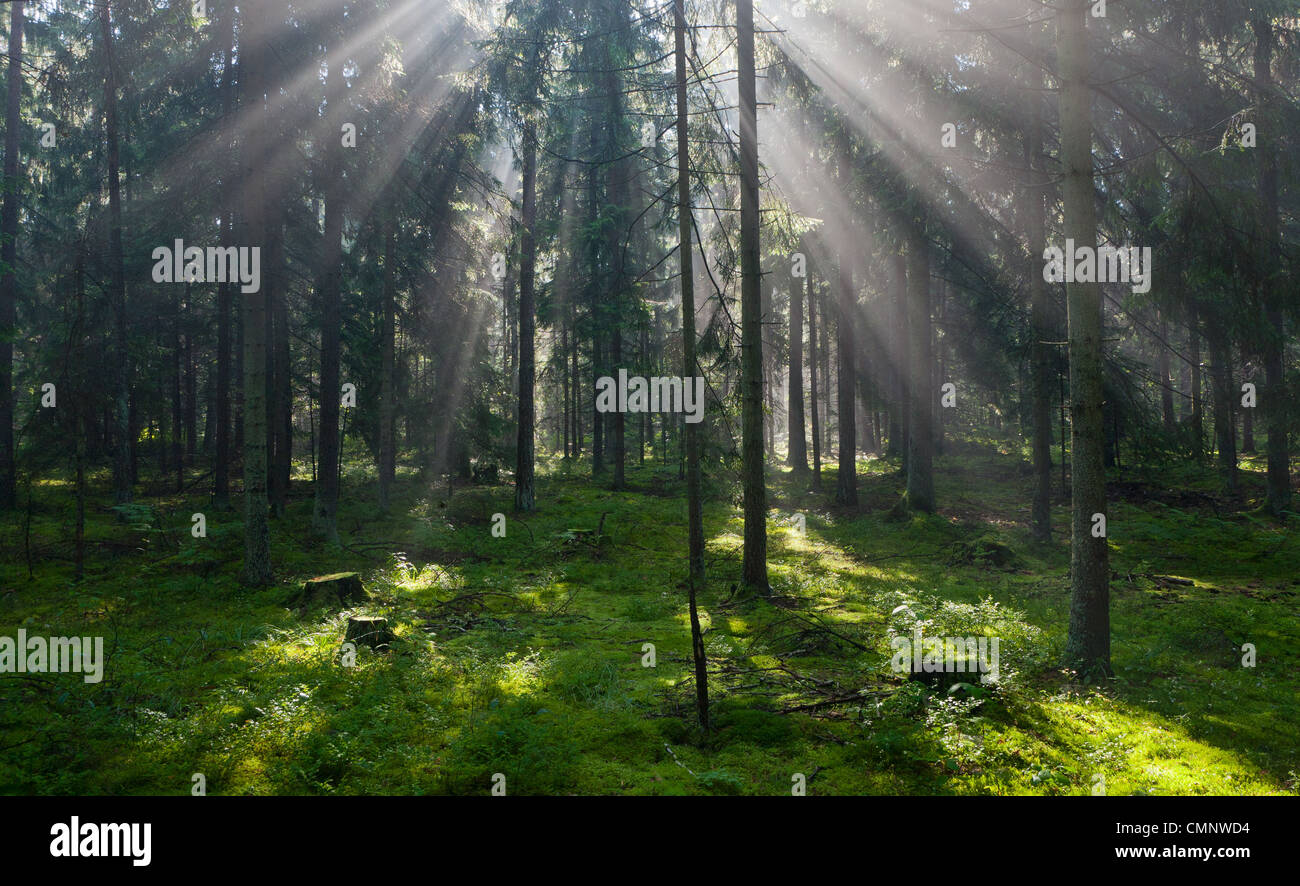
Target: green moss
point(526, 655)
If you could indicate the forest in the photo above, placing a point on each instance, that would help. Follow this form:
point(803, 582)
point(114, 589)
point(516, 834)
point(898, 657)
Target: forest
point(649, 397)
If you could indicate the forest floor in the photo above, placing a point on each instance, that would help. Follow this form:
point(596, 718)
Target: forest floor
point(525, 655)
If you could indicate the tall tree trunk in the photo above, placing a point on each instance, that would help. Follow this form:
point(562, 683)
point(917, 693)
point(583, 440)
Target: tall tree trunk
point(846, 484)
point(1166, 381)
point(330, 289)
point(9, 256)
point(388, 367)
point(576, 380)
point(754, 560)
point(122, 491)
point(619, 417)
point(281, 393)
point(920, 441)
point(80, 417)
point(1198, 407)
point(565, 419)
point(1278, 477)
point(770, 371)
point(191, 385)
point(1225, 426)
point(812, 392)
point(221, 465)
point(939, 343)
point(616, 194)
point(897, 365)
point(694, 495)
point(178, 405)
point(524, 454)
point(1088, 645)
point(1035, 201)
point(797, 454)
point(828, 323)
point(255, 55)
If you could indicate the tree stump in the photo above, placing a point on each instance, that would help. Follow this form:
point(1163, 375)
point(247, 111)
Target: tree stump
point(343, 589)
point(368, 630)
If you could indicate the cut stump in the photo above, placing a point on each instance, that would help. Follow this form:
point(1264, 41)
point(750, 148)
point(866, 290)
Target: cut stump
point(343, 589)
point(367, 630)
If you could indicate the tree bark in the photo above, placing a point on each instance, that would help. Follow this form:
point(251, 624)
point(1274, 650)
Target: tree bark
point(1087, 647)
point(1166, 381)
point(280, 396)
point(221, 463)
point(754, 559)
point(797, 454)
point(1198, 407)
point(178, 404)
point(694, 497)
point(1274, 396)
point(846, 481)
point(812, 392)
point(388, 367)
point(1225, 426)
point(122, 490)
point(920, 441)
point(524, 452)
point(257, 534)
point(1035, 201)
point(9, 256)
point(330, 293)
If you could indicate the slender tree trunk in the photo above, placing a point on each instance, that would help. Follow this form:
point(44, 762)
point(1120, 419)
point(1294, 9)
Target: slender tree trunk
point(694, 495)
point(644, 424)
point(797, 455)
point(221, 464)
point(619, 417)
point(191, 386)
point(939, 343)
point(1035, 201)
point(1274, 396)
point(920, 460)
point(9, 256)
point(388, 368)
point(565, 393)
point(285, 382)
point(846, 484)
point(281, 393)
point(771, 376)
point(330, 289)
point(812, 376)
point(122, 491)
point(254, 55)
point(576, 381)
point(754, 561)
point(896, 372)
point(1088, 645)
point(524, 491)
point(1166, 381)
point(274, 495)
point(616, 191)
point(80, 418)
point(178, 408)
point(1225, 426)
point(690, 369)
point(1198, 408)
point(79, 531)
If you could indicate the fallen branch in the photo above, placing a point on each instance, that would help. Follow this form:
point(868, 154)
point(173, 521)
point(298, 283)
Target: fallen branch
point(856, 697)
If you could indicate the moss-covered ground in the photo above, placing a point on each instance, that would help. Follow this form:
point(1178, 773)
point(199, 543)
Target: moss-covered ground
point(526, 655)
